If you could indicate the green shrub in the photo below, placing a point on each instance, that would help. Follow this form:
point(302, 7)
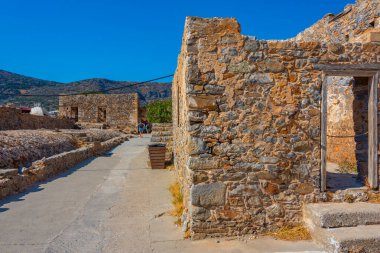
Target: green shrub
point(159, 111)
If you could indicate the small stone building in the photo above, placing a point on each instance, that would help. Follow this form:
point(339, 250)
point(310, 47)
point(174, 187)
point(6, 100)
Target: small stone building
point(113, 110)
point(251, 121)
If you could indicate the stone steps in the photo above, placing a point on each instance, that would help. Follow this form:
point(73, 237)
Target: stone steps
point(162, 133)
point(162, 139)
point(344, 227)
point(162, 129)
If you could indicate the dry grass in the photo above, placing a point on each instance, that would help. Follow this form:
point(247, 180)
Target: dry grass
point(291, 234)
point(170, 167)
point(374, 197)
point(177, 200)
point(330, 196)
point(187, 234)
point(348, 167)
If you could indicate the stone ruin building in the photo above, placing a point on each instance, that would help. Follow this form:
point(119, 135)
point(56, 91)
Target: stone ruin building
point(256, 122)
point(112, 110)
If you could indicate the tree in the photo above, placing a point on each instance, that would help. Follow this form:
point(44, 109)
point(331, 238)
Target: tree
point(159, 111)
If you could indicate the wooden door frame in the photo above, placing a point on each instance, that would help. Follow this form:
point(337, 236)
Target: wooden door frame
point(372, 71)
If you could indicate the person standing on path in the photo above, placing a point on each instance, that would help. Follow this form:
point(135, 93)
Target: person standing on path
point(141, 127)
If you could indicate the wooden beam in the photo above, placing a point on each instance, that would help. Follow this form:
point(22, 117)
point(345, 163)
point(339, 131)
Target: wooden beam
point(372, 133)
point(353, 73)
point(324, 133)
point(347, 67)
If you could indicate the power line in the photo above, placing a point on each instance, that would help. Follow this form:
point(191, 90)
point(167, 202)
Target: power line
point(85, 92)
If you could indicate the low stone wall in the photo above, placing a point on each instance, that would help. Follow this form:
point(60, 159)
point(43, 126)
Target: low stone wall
point(163, 133)
point(11, 182)
point(13, 119)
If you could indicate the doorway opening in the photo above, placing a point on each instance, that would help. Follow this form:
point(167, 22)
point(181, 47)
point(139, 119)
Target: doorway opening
point(347, 132)
point(354, 141)
point(74, 113)
point(102, 115)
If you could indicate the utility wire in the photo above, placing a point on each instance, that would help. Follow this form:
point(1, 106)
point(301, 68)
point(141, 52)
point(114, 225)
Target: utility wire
point(85, 92)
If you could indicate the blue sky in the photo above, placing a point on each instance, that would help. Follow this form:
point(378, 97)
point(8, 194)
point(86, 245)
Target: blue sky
point(69, 40)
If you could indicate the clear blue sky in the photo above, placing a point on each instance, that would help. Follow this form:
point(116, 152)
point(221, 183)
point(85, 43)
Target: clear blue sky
point(69, 40)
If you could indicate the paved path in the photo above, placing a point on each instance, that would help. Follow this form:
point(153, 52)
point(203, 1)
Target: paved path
point(113, 203)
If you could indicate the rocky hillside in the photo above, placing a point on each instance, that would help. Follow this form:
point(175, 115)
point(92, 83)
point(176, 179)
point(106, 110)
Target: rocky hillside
point(14, 84)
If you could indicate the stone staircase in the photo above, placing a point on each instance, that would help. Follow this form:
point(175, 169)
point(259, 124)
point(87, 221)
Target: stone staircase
point(163, 133)
point(345, 227)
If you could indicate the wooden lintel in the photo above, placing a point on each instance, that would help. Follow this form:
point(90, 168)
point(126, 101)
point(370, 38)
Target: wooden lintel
point(352, 73)
point(347, 67)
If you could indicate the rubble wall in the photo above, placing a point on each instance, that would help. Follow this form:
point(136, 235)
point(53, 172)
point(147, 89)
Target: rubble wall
point(347, 121)
point(13, 119)
point(341, 145)
point(19, 148)
point(247, 126)
point(121, 110)
point(346, 26)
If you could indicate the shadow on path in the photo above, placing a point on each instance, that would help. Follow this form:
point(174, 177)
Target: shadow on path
point(36, 187)
point(342, 181)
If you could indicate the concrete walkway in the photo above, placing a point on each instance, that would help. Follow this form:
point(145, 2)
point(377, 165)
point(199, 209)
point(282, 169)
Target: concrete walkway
point(113, 203)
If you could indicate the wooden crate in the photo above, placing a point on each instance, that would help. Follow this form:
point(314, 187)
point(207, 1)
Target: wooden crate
point(157, 155)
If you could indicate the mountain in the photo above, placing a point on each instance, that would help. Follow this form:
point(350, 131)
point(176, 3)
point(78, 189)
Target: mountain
point(14, 84)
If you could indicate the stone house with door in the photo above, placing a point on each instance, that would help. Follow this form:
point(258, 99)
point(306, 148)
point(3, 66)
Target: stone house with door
point(250, 119)
point(108, 110)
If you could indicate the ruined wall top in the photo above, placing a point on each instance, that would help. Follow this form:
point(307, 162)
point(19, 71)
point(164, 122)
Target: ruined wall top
point(346, 26)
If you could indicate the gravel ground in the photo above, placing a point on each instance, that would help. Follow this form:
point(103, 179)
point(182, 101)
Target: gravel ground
point(22, 147)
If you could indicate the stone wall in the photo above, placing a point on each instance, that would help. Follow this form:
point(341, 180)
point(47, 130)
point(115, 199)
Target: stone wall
point(13, 119)
point(19, 148)
point(347, 121)
point(12, 182)
point(163, 133)
point(247, 126)
point(347, 26)
point(114, 110)
point(341, 147)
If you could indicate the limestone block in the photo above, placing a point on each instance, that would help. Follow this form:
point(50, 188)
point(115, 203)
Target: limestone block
point(202, 102)
point(270, 160)
point(260, 78)
point(200, 213)
point(242, 67)
point(214, 89)
point(196, 146)
point(197, 163)
point(275, 211)
point(372, 35)
point(208, 195)
point(274, 65)
point(195, 116)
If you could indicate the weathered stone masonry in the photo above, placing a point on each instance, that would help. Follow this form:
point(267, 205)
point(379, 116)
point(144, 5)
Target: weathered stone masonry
point(12, 119)
point(114, 110)
point(247, 126)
